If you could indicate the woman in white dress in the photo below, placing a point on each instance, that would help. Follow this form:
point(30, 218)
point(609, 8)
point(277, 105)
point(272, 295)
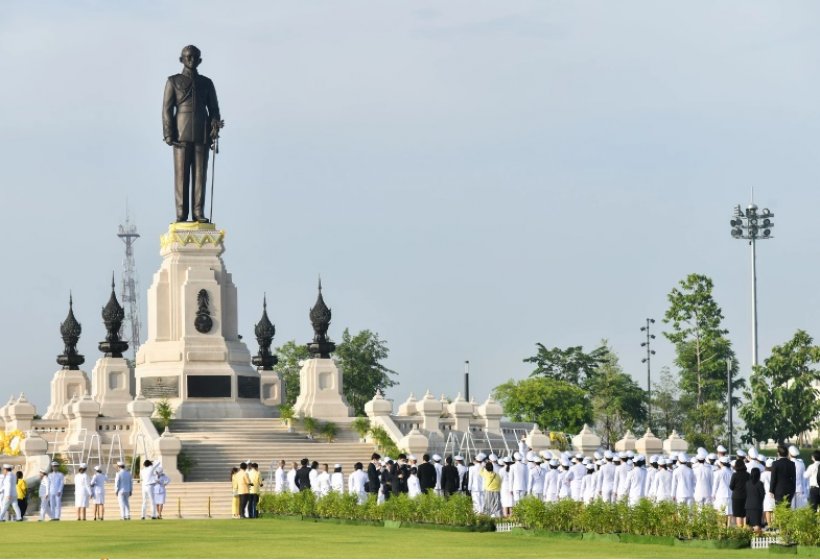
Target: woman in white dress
point(82, 492)
point(337, 479)
point(768, 500)
point(98, 492)
point(162, 480)
point(291, 478)
point(413, 486)
point(507, 501)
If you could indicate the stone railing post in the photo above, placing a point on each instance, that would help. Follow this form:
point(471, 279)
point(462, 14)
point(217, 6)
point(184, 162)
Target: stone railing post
point(627, 443)
point(491, 412)
point(586, 441)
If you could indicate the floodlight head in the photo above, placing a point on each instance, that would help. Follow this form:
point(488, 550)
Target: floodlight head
point(767, 233)
point(643, 329)
point(752, 207)
point(651, 320)
point(767, 223)
point(643, 361)
point(737, 233)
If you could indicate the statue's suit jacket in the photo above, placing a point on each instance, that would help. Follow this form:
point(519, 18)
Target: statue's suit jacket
point(188, 107)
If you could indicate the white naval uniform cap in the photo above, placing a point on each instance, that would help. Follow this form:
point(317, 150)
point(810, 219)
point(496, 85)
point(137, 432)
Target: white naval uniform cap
point(721, 449)
point(517, 456)
point(493, 457)
point(83, 465)
point(55, 464)
point(436, 457)
point(458, 458)
point(97, 468)
point(793, 451)
point(120, 464)
point(337, 466)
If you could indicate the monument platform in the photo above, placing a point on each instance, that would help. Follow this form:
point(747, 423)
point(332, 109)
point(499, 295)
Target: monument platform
point(193, 356)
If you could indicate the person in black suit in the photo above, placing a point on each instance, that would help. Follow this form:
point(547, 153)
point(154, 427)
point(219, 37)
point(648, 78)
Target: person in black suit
point(426, 474)
point(755, 492)
point(449, 477)
point(303, 476)
point(400, 472)
point(373, 474)
point(737, 484)
point(784, 477)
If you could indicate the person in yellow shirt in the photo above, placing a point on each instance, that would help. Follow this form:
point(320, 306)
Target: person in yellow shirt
point(22, 494)
point(255, 489)
point(235, 499)
point(243, 488)
point(492, 491)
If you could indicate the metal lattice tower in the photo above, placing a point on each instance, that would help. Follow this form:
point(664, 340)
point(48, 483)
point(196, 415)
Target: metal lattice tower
point(130, 285)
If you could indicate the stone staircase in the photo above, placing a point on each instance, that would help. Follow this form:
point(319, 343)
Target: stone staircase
point(217, 445)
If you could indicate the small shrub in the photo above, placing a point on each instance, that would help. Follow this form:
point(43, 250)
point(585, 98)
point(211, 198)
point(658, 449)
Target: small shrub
point(329, 431)
point(164, 413)
point(361, 425)
point(384, 441)
point(310, 424)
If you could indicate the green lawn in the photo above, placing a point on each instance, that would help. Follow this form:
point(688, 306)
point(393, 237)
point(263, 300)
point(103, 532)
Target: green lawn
point(276, 538)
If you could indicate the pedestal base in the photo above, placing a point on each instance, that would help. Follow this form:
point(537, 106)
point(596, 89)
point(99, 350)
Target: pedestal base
point(111, 381)
point(65, 384)
point(320, 391)
point(201, 410)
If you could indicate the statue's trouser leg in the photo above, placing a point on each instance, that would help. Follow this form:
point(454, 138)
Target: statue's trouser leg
point(182, 177)
point(200, 171)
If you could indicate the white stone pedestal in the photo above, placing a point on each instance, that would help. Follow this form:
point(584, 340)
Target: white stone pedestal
point(111, 386)
point(320, 391)
point(66, 384)
point(202, 372)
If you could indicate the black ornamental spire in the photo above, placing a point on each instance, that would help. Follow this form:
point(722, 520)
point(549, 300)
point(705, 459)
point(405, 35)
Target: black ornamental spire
point(70, 331)
point(264, 331)
point(113, 315)
point(320, 315)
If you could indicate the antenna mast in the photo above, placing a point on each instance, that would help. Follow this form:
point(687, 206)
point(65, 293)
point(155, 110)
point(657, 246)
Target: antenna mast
point(130, 285)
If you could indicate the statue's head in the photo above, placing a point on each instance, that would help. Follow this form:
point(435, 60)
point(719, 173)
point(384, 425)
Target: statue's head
point(190, 57)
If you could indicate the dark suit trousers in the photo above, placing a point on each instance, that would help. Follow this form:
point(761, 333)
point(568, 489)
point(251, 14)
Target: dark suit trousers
point(814, 497)
point(243, 503)
point(190, 178)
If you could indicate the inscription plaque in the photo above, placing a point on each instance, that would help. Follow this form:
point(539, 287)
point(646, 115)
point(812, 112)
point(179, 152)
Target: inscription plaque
point(248, 387)
point(209, 386)
point(160, 387)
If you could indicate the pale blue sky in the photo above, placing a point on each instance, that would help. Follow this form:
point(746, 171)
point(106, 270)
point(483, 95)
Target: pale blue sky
point(469, 178)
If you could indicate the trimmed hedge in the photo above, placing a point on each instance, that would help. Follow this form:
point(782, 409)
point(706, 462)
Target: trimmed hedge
point(800, 526)
point(457, 511)
point(664, 519)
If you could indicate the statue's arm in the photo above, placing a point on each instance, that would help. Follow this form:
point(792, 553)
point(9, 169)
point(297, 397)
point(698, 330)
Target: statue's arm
point(169, 131)
point(213, 104)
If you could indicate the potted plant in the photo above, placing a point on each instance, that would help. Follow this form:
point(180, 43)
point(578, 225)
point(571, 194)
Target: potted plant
point(361, 425)
point(329, 431)
point(286, 413)
point(310, 424)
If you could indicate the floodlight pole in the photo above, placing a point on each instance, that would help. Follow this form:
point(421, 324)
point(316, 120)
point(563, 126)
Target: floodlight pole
point(648, 361)
point(754, 302)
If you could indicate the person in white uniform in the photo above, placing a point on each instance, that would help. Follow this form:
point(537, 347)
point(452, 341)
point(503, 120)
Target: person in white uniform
point(42, 493)
point(703, 479)
point(98, 492)
point(291, 478)
point(621, 476)
point(9, 489)
point(280, 482)
point(123, 487)
point(683, 481)
point(323, 481)
point(606, 480)
point(506, 493)
point(337, 479)
point(56, 482)
point(535, 484)
point(577, 473)
point(413, 486)
point(768, 499)
point(552, 482)
point(636, 481)
point(518, 478)
point(662, 483)
point(147, 482)
point(475, 484)
point(82, 492)
point(437, 464)
point(721, 493)
point(799, 499)
point(356, 482)
point(161, 480)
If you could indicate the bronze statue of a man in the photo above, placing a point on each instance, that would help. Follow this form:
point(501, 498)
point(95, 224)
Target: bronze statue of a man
point(190, 123)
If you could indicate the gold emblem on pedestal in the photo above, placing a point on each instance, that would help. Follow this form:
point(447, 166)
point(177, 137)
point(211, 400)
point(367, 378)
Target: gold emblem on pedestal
point(191, 233)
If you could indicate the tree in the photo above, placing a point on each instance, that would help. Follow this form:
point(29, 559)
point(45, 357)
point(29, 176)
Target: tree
point(618, 403)
point(360, 358)
point(290, 354)
point(782, 401)
point(702, 355)
point(667, 412)
point(553, 404)
point(571, 365)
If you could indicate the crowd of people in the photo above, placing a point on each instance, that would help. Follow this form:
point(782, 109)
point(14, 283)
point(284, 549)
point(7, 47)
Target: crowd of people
point(746, 487)
point(91, 487)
